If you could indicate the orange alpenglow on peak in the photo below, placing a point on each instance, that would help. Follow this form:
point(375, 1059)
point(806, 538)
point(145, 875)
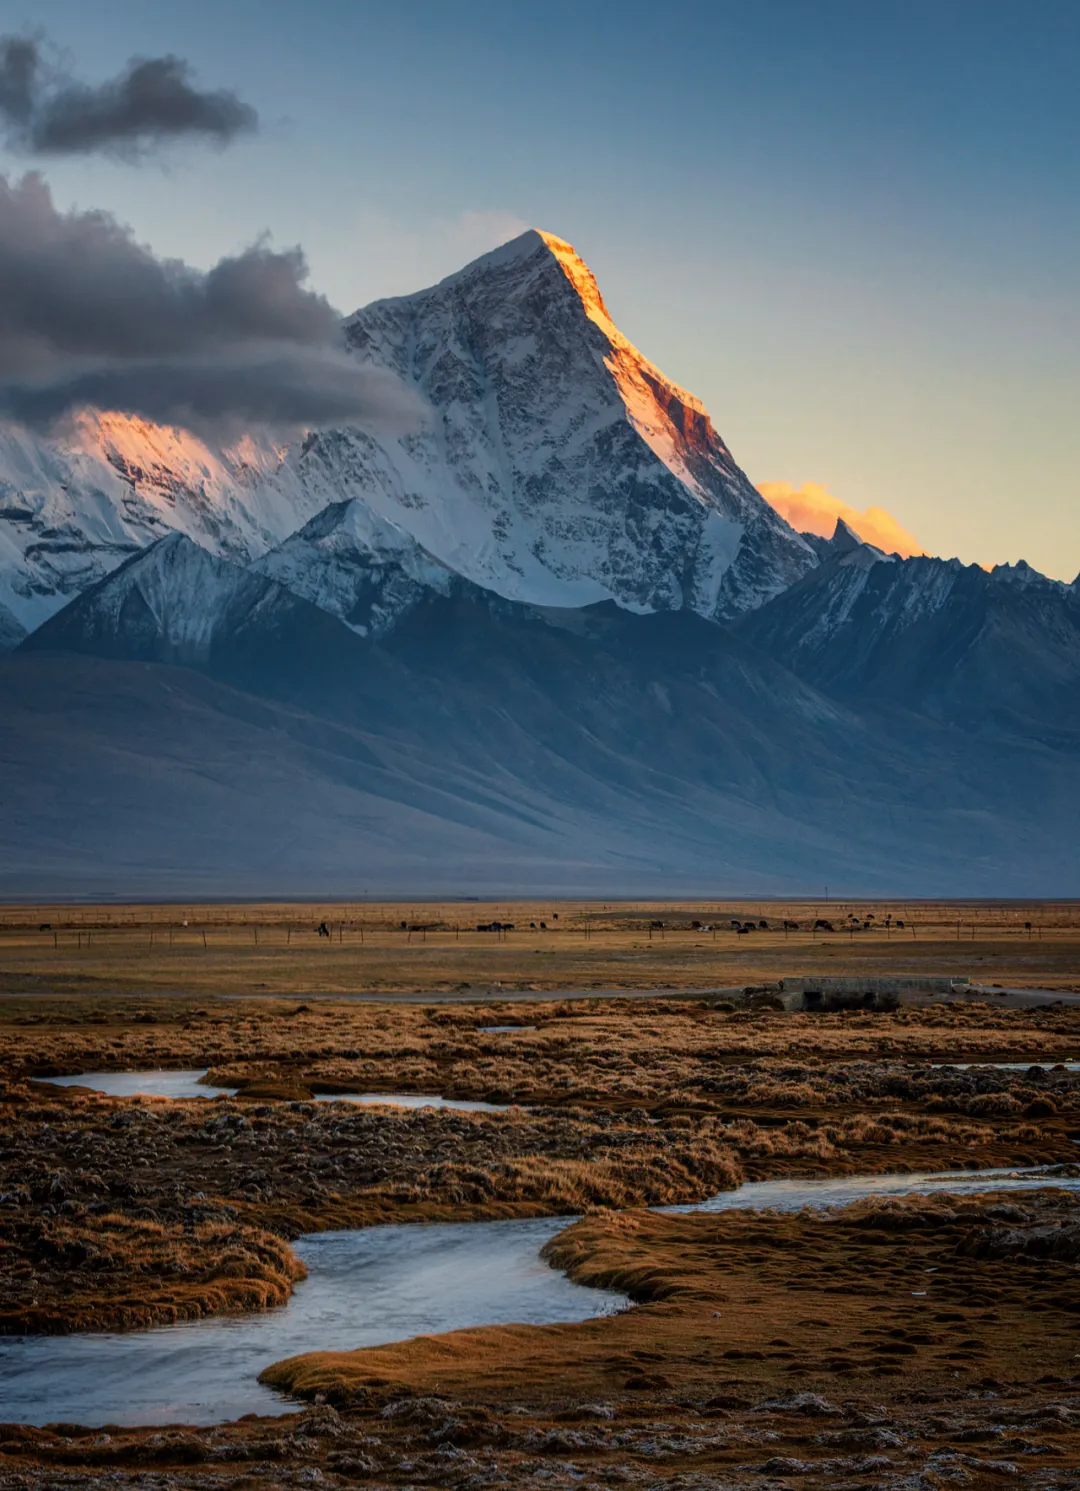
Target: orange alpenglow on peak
point(669, 418)
point(144, 445)
point(579, 274)
point(812, 509)
point(583, 282)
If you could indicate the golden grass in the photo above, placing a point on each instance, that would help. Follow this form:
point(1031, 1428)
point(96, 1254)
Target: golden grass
point(125, 1212)
point(754, 1301)
point(118, 1272)
point(650, 1053)
point(621, 1104)
point(275, 948)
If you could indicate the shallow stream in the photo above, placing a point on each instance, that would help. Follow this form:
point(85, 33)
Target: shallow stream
point(365, 1287)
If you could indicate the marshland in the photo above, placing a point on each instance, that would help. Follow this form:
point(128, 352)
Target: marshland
point(888, 1340)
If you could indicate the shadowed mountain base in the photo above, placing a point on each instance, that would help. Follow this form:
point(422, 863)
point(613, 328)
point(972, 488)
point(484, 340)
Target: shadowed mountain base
point(484, 746)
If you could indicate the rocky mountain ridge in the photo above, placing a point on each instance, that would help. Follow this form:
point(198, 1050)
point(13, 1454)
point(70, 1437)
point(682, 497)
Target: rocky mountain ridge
point(75, 507)
point(551, 638)
point(174, 603)
point(361, 568)
point(987, 650)
point(563, 467)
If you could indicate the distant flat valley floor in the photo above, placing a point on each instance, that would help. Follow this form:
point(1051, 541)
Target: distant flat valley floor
point(435, 948)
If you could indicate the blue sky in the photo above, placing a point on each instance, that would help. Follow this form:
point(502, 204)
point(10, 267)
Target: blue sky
point(850, 228)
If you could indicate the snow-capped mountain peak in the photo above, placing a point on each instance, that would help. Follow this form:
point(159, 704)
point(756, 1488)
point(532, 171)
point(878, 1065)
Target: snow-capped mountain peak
point(663, 414)
point(73, 508)
point(172, 599)
point(1023, 574)
point(558, 466)
point(845, 539)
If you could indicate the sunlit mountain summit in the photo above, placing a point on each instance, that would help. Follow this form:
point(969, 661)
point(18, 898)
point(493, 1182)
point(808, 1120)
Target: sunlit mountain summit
point(555, 463)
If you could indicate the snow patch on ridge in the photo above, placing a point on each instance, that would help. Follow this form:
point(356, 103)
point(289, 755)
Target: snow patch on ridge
point(358, 566)
point(74, 508)
point(175, 596)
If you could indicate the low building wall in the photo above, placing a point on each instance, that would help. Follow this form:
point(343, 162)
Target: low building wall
point(827, 991)
point(835, 984)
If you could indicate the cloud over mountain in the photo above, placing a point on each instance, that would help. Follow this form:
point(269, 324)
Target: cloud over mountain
point(152, 101)
point(812, 509)
point(88, 316)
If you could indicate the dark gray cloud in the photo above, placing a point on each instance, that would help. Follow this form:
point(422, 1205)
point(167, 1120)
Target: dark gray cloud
point(154, 100)
point(78, 284)
point(88, 316)
point(223, 397)
point(18, 73)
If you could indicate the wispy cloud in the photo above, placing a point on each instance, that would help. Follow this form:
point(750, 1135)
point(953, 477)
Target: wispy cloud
point(403, 256)
point(812, 509)
point(473, 233)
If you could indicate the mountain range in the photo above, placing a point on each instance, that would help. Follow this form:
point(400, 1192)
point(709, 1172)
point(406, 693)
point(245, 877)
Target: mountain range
point(551, 639)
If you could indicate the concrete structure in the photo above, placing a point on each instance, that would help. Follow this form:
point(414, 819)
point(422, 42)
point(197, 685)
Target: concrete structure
point(817, 991)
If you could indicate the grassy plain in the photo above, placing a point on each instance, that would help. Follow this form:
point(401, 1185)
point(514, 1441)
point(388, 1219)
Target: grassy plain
point(276, 949)
point(905, 1345)
point(123, 1212)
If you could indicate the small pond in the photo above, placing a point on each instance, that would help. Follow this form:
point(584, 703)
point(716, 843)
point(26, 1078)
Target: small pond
point(174, 1084)
point(1044, 1064)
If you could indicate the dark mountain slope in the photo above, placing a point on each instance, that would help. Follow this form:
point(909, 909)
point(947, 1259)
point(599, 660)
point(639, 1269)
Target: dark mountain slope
point(11, 631)
point(996, 652)
point(483, 744)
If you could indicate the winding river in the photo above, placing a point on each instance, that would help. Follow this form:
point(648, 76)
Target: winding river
point(364, 1287)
